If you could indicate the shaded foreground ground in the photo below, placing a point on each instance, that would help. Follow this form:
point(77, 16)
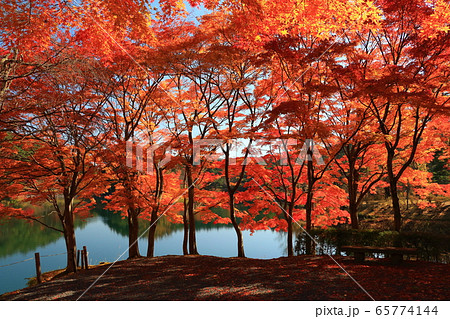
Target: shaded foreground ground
point(215, 278)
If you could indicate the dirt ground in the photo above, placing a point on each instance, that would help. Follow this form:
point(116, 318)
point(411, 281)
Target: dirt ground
point(215, 278)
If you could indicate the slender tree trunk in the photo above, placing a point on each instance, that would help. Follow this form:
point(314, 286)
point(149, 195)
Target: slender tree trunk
point(396, 206)
point(151, 233)
point(352, 195)
point(394, 192)
point(133, 234)
point(289, 219)
point(308, 208)
point(159, 187)
point(309, 198)
point(408, 187)
point(353, 206)
point(186, 229)
point(290, 248)
point(231, 190)
point(192, 239)
point(240, 240)
point(353, 209)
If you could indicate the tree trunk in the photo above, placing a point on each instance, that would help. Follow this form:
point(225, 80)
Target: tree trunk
point(352, 195)
point(396, 206)
point(133, 234)
point(240, 240)
point(289, 219)
point(192, 239)
point(159, 187)
point(394, 192)
point(186, 229)
point(151, 233)
point(353, 210)
point(408, 187)
point(352, 205)
point(71, 247)
point(308, 207)
point(290, 248)
point(69, 237)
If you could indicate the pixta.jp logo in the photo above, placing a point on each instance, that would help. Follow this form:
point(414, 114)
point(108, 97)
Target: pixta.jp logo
point(141, 156)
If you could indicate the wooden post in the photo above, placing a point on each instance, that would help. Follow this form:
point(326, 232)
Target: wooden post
point(82, 258)
point(78, 257)
point(38, 268)
point(86, 263)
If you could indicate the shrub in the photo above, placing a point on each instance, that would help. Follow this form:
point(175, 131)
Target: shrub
point(431, 247)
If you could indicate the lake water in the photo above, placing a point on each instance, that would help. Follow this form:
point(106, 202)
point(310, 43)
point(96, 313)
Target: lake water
point(105, 235)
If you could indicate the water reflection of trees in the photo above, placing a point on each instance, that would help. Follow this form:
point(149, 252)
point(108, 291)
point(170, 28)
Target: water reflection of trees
point(119, 225)
point(24, 236)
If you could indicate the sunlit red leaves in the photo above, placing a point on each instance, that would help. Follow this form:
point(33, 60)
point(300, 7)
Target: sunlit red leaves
point(261, 21)
point(33, 26)
point(438, 21)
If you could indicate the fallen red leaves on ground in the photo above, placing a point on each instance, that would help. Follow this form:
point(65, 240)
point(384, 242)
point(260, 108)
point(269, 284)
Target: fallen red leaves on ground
point(215, 278)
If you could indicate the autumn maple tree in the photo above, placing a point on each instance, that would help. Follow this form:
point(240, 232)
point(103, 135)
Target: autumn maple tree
point(55, 153)
point(401, 79)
